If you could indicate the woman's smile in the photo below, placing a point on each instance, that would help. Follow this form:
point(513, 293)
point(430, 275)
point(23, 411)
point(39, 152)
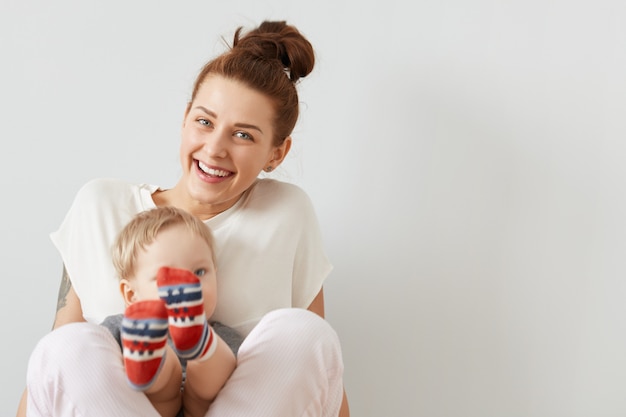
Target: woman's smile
point(212, 173)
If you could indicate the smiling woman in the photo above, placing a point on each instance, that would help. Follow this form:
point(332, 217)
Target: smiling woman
point(271, 265)
point(226, 142)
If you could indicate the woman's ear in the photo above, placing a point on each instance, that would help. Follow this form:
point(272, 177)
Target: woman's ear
point(127, 291)
point(279, 153)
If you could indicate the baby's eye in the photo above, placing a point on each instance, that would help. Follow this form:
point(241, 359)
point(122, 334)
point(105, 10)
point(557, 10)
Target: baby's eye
point(200, 272)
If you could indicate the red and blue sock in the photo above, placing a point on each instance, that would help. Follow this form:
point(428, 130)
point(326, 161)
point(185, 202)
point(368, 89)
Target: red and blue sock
point(144, 335)
point(188, 327)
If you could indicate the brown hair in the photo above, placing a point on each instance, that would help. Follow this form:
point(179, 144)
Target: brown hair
point(143, 229)
point(270, 59)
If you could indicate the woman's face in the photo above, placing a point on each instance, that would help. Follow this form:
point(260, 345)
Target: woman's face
point(227, 139)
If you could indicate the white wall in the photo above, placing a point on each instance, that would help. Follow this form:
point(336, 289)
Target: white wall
point(466, 159)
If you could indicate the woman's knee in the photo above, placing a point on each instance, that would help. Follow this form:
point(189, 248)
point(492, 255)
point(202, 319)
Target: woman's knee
point(297, 355)
point(297, 335)
point(78, 368)
point(64, 345)
point(289, 321)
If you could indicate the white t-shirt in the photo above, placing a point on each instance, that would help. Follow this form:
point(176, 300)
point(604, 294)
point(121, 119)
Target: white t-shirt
point(268, 249)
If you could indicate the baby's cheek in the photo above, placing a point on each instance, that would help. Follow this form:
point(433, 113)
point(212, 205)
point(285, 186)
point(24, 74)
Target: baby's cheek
point(151, 293)
point(210, 300)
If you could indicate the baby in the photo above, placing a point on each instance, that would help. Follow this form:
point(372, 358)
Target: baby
point(165, 262)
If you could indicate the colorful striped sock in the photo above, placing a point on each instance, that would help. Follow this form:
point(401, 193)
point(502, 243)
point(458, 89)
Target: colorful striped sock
point(182, 292)
point(144, 335)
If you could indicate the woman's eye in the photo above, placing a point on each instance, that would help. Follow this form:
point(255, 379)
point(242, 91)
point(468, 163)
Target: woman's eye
point(204, 122)
point(200, 272)
point(243, 135)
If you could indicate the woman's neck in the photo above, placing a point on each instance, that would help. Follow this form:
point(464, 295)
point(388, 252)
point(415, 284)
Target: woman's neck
point(174, 197)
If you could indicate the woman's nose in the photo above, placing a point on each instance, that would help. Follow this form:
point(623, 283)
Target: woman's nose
point(216, 144)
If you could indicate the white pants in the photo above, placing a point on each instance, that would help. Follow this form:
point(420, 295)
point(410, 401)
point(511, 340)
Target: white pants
point(289, 365)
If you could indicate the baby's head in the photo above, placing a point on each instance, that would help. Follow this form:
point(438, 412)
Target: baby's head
point(164, 236)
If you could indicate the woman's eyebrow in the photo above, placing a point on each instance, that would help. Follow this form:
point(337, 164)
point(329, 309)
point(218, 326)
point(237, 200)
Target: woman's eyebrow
point(207, 111)
point(243, 125)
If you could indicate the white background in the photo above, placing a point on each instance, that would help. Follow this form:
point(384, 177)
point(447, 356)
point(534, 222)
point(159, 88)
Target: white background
point(466, 159)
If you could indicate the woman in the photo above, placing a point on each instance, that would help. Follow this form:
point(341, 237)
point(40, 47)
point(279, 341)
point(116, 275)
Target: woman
point(271, 264)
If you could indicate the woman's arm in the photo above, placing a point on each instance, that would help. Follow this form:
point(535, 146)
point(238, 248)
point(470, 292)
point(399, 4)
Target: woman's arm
point(344, 411)
point(21, 409)
point(317, 306)
point(68, 304)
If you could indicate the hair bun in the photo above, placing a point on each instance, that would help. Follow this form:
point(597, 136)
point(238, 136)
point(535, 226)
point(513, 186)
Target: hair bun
point(276, 40)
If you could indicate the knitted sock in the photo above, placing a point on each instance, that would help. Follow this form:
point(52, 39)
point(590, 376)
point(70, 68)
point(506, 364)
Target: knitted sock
point(182, 292)
point(144, 335)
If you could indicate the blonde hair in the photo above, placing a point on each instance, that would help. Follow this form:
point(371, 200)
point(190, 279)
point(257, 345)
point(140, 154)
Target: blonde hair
point(144, 228)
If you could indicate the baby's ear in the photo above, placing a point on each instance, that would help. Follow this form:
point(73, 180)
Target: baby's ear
point(127, 291)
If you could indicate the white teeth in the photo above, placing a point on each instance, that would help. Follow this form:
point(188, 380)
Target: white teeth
point(211, 171)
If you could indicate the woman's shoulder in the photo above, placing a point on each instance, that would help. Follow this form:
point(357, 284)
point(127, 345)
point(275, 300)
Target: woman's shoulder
point(286, 202)
point(109, 187)
point(276, 190)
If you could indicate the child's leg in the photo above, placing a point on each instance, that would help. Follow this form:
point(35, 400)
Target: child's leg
point(210, 360)
point(181, 291)
point(206, 377)
point(165, 393)
point(151, 365)
point(77, 370)
point(289, 365)
point(144, 337)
